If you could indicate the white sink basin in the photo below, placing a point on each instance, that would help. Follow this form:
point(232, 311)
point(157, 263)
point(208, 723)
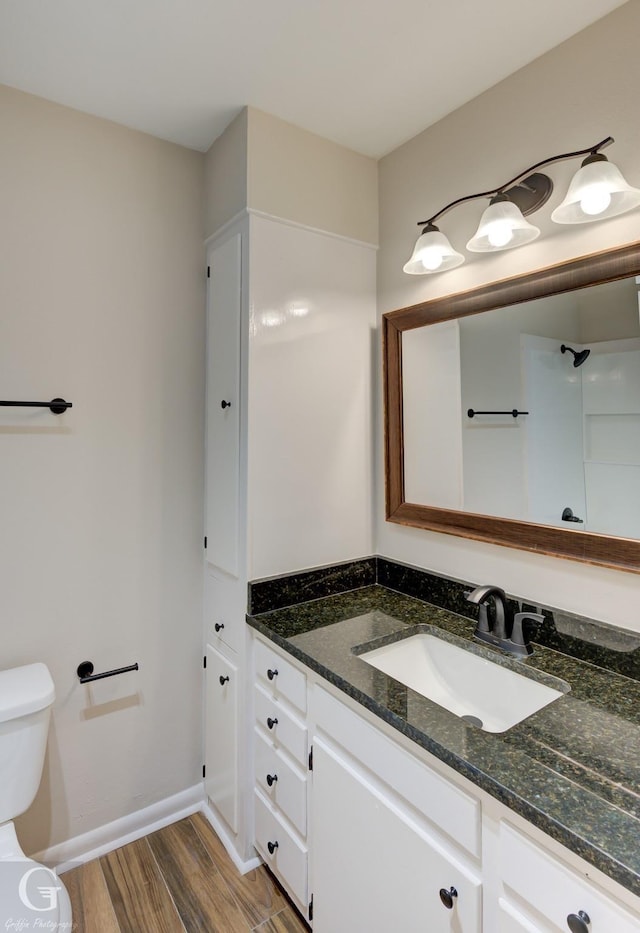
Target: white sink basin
point(463, 682)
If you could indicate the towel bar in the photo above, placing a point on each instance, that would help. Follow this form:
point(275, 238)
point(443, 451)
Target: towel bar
point(56, 405)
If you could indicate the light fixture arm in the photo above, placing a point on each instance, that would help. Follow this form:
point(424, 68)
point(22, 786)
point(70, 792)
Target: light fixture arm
point(591, 150)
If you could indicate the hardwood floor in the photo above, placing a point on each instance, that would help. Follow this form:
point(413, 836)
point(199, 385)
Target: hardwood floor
point(175, 880)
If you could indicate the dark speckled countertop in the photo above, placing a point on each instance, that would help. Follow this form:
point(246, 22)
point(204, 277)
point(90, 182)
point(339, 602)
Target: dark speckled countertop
point(572, 769)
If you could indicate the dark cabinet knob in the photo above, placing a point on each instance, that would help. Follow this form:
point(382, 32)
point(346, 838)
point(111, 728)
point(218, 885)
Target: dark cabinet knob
point(579, 923)
point(272, 673)
point(223, 680)
point(271, 722)
point(224, 404)
point(271, 779)
point(219, 626)
point(272, 846)
point(448, 897)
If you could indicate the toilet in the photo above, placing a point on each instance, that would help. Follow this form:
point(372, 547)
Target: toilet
point(32, 896)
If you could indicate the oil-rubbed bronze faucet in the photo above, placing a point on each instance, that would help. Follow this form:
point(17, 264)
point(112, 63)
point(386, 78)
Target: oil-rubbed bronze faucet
point(496, 634)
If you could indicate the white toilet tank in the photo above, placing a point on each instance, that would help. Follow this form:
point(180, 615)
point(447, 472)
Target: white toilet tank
point(26, 696)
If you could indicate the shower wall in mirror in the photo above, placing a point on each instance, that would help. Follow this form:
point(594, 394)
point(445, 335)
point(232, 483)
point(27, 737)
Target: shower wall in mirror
point(571, 457)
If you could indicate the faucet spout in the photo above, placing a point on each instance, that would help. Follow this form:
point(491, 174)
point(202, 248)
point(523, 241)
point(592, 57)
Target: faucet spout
point(497, 633)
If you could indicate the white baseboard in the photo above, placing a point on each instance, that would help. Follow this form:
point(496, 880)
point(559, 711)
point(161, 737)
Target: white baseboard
point(127, 829)
point(223, 834)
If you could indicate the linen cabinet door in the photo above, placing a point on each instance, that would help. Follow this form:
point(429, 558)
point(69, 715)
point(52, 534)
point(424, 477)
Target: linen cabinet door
point(223, 405)
point(374, 867)
point(221, 740)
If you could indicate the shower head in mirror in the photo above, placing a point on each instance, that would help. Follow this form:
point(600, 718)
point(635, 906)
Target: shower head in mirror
point(579, 356)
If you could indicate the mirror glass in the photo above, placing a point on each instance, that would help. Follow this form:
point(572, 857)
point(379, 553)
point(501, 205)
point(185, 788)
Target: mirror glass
point(571, 456)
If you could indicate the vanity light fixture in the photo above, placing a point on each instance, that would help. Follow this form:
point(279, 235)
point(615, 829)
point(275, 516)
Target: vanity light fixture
point(432, 253)
point(598, 190)
point(502, 226)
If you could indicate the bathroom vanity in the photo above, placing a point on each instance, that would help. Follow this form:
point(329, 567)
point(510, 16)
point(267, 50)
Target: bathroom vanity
point(376, 807)
point(379, 809)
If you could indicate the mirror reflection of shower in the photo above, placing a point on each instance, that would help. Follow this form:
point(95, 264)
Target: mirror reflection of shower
point(579, 356)
point(582, 436)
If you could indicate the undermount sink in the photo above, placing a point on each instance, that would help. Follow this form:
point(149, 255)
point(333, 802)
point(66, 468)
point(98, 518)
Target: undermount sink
point(480, 691)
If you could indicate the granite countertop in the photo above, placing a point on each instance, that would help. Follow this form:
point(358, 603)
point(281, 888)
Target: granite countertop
point(572, 769)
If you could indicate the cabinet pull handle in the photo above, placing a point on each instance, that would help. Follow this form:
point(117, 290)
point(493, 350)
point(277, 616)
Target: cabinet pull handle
point(272, 673)
point(448, 897)
point(271, 722)
point(219, 626)
point(224, 404)
point(271, 779)
point(223, 680)
point(579, 923)
point(272, 846)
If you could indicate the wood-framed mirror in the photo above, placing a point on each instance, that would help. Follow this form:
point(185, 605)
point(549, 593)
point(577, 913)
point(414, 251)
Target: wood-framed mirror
point(480, 453)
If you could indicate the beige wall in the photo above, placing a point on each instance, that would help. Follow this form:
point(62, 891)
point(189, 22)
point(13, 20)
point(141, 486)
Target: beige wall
point(225, 179)
point(298, 176)
point(570, 98)
point(272, 167)
point(102, 294)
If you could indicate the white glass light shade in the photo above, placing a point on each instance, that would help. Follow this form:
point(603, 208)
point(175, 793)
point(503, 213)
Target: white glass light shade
point(432, 253)
point(502, 226)
point(598, 190)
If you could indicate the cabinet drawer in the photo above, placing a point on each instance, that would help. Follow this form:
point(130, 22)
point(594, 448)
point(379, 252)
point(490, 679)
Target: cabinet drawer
point(288, 860)
point(449, 808)
point(511, 921)
point(554, 890)
point(288, 788)
point(283, 729)
point(279, 677)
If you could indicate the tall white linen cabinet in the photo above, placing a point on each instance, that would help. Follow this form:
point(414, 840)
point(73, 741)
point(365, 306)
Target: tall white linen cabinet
point(290, 375)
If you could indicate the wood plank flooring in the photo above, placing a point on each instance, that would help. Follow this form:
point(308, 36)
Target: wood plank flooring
point(177, 879)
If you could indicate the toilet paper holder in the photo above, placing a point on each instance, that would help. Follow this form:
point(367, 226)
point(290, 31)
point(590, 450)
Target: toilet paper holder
point(86, 675)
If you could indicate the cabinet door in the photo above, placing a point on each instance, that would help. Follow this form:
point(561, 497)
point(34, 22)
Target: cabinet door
point(225, 606)
point(373, 867)
point(223, 389)
point(221, 753)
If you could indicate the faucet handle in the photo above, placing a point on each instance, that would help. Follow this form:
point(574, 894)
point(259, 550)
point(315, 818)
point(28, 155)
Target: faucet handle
point(517, 635)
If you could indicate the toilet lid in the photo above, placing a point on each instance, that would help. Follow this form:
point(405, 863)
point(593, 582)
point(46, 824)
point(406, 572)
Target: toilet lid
point(31, 896)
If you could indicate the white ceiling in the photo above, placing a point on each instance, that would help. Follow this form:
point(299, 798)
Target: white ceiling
point(368, 74)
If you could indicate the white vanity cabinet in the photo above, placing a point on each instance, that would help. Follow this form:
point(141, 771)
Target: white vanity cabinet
point(378, 833)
